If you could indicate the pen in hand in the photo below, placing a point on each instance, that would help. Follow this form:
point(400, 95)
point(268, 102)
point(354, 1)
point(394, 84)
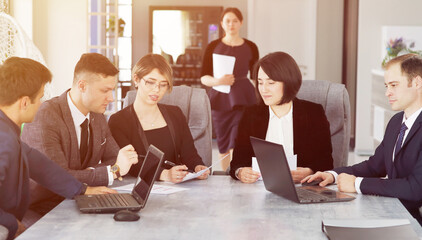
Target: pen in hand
point(173, 165)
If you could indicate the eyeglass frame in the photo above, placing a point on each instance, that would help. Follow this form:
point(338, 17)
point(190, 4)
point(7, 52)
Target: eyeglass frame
point(150, 85)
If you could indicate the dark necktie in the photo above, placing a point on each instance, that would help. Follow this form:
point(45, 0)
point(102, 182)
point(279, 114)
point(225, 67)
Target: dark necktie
point(84, 140)
point(400, 139)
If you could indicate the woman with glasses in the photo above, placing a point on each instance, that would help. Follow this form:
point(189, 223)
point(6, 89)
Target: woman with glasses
point(280, 117)
point(227, 108)
point(148, 122)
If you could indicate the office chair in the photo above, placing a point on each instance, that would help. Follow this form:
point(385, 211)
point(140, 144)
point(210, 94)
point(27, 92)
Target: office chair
point(195, 105)
point(335, 100)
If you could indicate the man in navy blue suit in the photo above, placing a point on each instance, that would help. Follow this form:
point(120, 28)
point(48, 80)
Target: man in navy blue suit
point(21, 89)
point(395, 170)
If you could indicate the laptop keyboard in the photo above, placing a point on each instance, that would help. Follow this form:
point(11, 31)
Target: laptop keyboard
point(304, 194)
point(111, 200)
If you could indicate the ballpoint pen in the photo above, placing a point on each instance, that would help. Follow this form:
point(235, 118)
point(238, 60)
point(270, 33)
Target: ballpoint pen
point(173, 165)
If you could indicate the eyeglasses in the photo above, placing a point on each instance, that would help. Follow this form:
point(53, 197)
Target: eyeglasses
point(150, 84)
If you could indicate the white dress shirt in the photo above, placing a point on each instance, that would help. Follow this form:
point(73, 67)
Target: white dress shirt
point(409, 123)
point(280, 130)
point(78, 118)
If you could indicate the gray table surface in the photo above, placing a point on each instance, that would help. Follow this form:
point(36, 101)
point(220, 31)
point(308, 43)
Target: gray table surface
point(217, 208)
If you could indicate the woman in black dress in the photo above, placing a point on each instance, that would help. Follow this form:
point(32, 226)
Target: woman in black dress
point(148, 122)
point(227, 108)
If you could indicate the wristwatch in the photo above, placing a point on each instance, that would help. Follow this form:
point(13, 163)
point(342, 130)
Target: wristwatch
point(83, 190)
point(116, 170)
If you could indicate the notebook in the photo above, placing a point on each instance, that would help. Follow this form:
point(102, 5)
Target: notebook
point(135, 201)
point(277, 178)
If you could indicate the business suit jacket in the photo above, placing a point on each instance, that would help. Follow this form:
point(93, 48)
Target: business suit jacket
point(311, 136)
point(53, 133)
point(18, 163)
point(124, 126)
point(404, 174)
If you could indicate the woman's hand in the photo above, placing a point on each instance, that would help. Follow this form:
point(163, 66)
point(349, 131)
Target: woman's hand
point(227, 79)
point(247, 175)
point(176, 173)
point(300, 173)
point(205, 174)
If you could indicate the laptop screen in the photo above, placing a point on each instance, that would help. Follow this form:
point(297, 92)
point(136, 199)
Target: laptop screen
point(147, 174)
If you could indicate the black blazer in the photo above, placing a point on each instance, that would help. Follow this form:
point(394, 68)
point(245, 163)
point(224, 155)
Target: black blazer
point(124, 128)
point(311, 136)
point(404, 174)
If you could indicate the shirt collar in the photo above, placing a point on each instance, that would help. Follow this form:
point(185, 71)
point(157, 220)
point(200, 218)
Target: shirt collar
point(9, 122)
point(78, 116)
point(411, 120)
point(272, 114)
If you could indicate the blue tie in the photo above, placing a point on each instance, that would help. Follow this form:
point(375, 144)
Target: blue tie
point(400, 139)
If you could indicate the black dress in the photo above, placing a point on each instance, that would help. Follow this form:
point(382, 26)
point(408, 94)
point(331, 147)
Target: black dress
point(227, 109)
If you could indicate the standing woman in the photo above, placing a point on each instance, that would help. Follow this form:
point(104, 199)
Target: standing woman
point(227, 109)
point(148, 122)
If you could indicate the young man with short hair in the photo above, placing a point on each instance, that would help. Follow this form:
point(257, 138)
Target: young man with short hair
point(22, 84)
point(395, 170)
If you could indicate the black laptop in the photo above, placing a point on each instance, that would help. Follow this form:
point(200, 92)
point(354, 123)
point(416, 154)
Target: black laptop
point(277, 178)
point(110, 203)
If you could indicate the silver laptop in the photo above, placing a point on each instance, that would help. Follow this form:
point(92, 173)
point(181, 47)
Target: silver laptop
point(110, 203)
point(277, 178)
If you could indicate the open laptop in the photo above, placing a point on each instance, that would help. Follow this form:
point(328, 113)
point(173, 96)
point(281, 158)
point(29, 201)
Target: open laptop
point(277, 178)
point(110, 203)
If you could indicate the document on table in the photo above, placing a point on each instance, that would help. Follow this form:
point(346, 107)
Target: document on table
point(156, 189)
point(291, 160)
point(190, 176)
point(222, 64)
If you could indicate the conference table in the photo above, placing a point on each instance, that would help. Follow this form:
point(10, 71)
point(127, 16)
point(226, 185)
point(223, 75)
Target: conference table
point(216, 208)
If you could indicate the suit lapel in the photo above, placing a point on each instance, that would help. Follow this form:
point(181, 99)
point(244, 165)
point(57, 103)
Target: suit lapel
point(299, 125)
point(75, 162)
point(413, 130)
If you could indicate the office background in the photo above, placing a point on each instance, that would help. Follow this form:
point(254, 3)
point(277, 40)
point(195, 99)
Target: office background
point(312, 31)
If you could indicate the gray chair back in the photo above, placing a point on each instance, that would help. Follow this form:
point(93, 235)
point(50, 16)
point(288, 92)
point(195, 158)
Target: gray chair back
point(335, 100)
point(195, 105)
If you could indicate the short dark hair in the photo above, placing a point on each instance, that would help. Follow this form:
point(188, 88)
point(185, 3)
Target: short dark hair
point(233, 10)
point(151, 61)
point(281, 67)
point(94, 63)
point(21, 77)
point(410, 65)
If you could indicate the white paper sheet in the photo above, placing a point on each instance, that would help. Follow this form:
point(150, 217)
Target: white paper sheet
point(291, 160)
point(190, 176)
point(222, 64)
point(156, 189)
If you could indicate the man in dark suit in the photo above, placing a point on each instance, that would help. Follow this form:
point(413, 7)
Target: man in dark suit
point(395, 170)
point(22, 84)
point(72, 130)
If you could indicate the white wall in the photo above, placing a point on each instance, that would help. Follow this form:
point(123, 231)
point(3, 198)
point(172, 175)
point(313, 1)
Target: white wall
point(329, 40)
point(21, 10)
point(373, 14)
point(288, 26)
point(141, 19)
point(60, 32)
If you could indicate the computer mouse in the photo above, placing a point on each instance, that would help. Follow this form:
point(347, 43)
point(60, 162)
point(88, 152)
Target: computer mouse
point(126, 216)
point(313, 183)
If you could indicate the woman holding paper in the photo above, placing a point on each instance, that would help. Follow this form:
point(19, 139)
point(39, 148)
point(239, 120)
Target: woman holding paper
point(148, 122)
point(300, 126)
point(225, 67)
